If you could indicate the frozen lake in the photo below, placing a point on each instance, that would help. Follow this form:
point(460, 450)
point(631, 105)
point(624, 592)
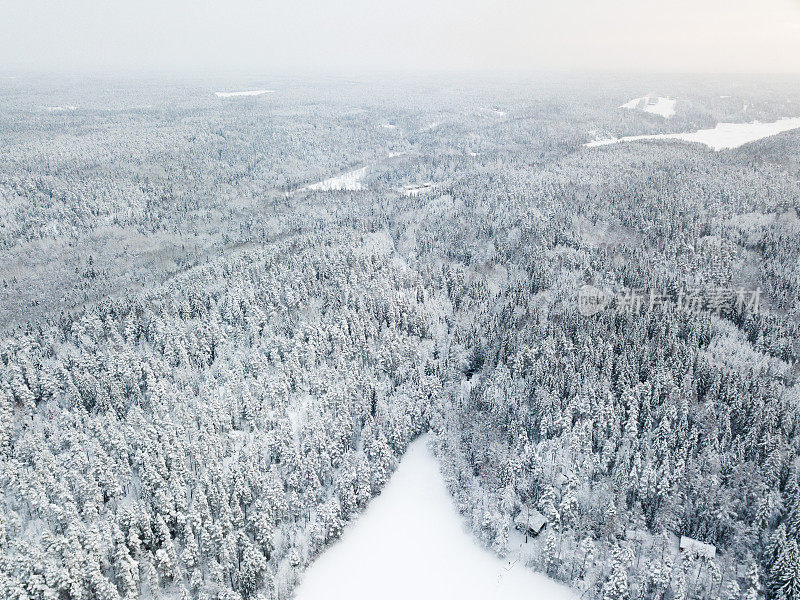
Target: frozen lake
point(723, 136)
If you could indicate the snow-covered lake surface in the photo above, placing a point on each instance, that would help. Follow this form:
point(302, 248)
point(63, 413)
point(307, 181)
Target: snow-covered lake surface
point(723, 136)
point(243, 93)
point(656, 105)
point(350, 181)
point(410, 543)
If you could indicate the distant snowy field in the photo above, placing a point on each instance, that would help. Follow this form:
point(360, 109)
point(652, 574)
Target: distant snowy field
point(723, 136)
point(243, 93)
point(657, 105)
point(350, 181)
point(417, 189)
point(410, 543)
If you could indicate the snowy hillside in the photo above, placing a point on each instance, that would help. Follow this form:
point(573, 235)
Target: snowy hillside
point(411, 543)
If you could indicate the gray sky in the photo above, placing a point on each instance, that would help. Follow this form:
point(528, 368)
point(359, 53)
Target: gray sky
point(342, 35)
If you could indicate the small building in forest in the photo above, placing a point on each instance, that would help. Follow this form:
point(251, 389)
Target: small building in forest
point(701, 549)
point(530, 522)
point(562, 478)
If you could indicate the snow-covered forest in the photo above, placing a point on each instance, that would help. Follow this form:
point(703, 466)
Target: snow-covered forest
point(228, 307)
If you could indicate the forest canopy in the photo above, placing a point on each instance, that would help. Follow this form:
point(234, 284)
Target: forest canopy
point(210, 365)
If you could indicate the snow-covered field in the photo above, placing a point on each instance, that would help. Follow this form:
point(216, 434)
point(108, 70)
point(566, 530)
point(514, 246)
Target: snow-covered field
point(723, 136)
point(66, 108)
point(410, 544)
point(417, 189)
point(656, 105)
point(349, 181)
point(243, 93)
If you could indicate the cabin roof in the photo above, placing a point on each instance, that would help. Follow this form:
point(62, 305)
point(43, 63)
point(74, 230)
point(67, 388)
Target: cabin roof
point(531, 519)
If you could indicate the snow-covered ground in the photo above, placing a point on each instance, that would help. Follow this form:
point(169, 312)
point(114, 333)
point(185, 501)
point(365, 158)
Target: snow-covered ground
point(410, 543)
point(244, 93)
point(723, 136)
point(350, 181)
point(656, 105)
point(417, 189)
point(66, 108)
point(497, 111)
point(346, 181)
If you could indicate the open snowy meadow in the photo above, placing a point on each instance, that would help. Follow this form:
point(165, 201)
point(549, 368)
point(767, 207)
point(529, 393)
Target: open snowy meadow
point(411, 543)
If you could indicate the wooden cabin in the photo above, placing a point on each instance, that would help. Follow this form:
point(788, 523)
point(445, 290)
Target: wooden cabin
point(530, 522)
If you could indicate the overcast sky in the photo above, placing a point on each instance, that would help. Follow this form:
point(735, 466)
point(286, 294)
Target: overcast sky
point(216, 36)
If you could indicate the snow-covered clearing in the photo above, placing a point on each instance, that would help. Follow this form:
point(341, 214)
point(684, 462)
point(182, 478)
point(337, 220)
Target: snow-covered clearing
point(656, 105)
point(723, 136)
point(66, 108)
point(244, 93)
point(410, 543)
point(417, 189)
point(349, 181)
